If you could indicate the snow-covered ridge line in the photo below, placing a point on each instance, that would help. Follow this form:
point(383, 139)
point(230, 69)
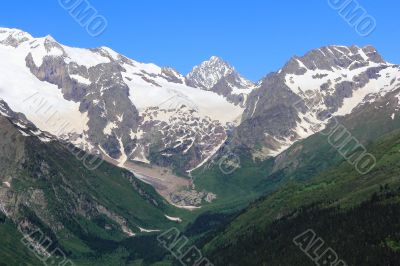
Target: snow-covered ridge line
point(334, 79)
point(103, 100)
point(100, 100)
point(82, 56)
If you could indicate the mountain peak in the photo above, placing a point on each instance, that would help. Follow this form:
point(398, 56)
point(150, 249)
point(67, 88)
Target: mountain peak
point(333, 57)
point(208, 73)
point(14, 36)
point(50, 38)
point(216, 60)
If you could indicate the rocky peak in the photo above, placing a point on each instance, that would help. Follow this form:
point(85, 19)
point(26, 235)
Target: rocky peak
point(333, 58)
point(297, 101)
point(13, 37)
point(49, 38)
point(172, 75)
point(208, 73)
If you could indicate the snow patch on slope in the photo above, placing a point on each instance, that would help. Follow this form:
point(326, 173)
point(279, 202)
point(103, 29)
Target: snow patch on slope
point(161, 93)
point(42, 103)
point(84, 57)
point(81, 79)
point(381, 86)
point(39, 51)
point(174, 219)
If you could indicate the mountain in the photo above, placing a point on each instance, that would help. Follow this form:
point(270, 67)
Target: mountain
point(165, 139)
point(319, 188)
point(268, 142)
point(108, 104)
point(218, 76)
point(47, 186)
point(340, 204)
point(153, 120)
point(299, 99)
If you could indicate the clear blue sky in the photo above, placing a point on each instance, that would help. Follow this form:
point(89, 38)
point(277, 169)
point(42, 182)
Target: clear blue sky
point(256, 37)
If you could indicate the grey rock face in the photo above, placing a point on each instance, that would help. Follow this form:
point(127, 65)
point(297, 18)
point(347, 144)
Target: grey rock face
point(105, 100)
point(227, 85)
point(270, 111)
point(208, 73)
point(331, 58)
point(297, 101)
point(192, 198)
point(172, 75)
point(15, 37)
point(21, 125)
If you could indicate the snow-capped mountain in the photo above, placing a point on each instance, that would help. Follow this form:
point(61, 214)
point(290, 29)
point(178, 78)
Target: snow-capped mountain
point(298, 100)
point(130, 111)
point(217, 75)
point(208, 73)
point(103, 101)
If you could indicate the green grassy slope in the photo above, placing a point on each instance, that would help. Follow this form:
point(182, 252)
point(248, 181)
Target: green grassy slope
point(12, 250)
point(367, 234)
point(80, 210)
point(340, 186)
point(303, 160)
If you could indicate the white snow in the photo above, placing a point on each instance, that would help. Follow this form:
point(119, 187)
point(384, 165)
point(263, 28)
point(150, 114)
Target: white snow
point(81, 79)
point(247, 88)
point(255, 106)
point(123, 158)
point(15, 33)
point(308, 125)
point(42, 102)
point(284, 145)
point(109, 127)
point(142, 68)
point(144, 94)
point(190, 208)
point(39, 51)
point(301, 83)
point(147, 230)
point(23, 133)
point(363, 55)
point(44, 138)
point(142, 158)
point(308, 86)
point(176, 74)
point(127, 231)
point(322, 52)
point(7, 184)
point(380, 85)
point(209, 72)
point(111, 52)
point(301, 64)
point(20, 125)
point(237, 91)
point(174, 219)
point(84, 57)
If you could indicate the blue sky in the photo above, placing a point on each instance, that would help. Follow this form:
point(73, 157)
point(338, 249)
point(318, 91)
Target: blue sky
point(256, 37)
